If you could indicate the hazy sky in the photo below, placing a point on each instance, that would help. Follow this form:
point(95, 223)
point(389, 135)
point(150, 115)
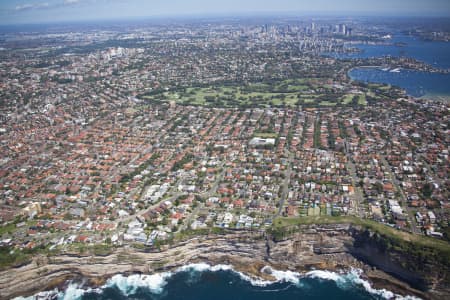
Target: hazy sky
point(44, 11)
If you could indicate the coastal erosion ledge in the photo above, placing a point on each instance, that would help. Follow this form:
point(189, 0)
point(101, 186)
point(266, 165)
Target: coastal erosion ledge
point(334, 247)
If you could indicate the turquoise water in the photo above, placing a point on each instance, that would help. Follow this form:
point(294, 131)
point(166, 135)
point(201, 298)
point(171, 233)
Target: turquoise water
point(203, 282)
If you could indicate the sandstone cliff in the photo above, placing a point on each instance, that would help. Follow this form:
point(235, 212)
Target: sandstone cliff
point(329, 247)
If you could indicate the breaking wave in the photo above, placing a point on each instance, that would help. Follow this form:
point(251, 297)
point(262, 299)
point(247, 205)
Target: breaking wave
point(353, 278)
point(73, 291)
point(155, 283)
point(128, 285)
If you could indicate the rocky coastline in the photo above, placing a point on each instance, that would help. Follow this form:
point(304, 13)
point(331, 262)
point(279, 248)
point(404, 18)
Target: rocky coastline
point(315, 247)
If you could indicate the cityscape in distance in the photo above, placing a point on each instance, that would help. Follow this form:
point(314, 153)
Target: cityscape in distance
point(191, 150)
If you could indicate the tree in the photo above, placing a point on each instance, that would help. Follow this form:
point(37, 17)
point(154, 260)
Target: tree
point(379, 187)
point(427, 190)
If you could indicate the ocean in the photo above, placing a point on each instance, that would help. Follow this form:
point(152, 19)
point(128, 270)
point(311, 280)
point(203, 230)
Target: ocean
point(416, 84)
point(205, 282)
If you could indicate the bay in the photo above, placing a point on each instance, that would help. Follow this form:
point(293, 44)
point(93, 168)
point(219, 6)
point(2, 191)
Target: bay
point(435, 53)
point(415, 83)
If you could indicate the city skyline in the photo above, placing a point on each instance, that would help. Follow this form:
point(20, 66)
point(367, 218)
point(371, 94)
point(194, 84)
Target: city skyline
point(42, 11)
point(195, 150)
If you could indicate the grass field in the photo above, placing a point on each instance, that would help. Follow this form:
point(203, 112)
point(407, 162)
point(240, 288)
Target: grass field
point(229, 96)
point(382, 229)
point(309, 92)
point(12, 227)
point(291, 92)
point(362, 99)
point(7, 228)
point(265, 135)
point(348, 99)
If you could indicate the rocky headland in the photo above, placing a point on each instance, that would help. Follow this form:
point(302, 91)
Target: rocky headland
point(334, 247)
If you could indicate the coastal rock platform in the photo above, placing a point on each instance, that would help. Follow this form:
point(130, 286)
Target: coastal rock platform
point(315, 247)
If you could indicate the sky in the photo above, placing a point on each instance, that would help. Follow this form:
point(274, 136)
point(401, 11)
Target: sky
point(48, 11)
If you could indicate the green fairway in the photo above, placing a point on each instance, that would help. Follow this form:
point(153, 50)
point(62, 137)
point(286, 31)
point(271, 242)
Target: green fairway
point(287, 93)
point(347, 99)
point(362, 99)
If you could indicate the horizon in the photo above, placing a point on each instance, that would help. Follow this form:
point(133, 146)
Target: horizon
point(217, 16)
point(35, 12)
